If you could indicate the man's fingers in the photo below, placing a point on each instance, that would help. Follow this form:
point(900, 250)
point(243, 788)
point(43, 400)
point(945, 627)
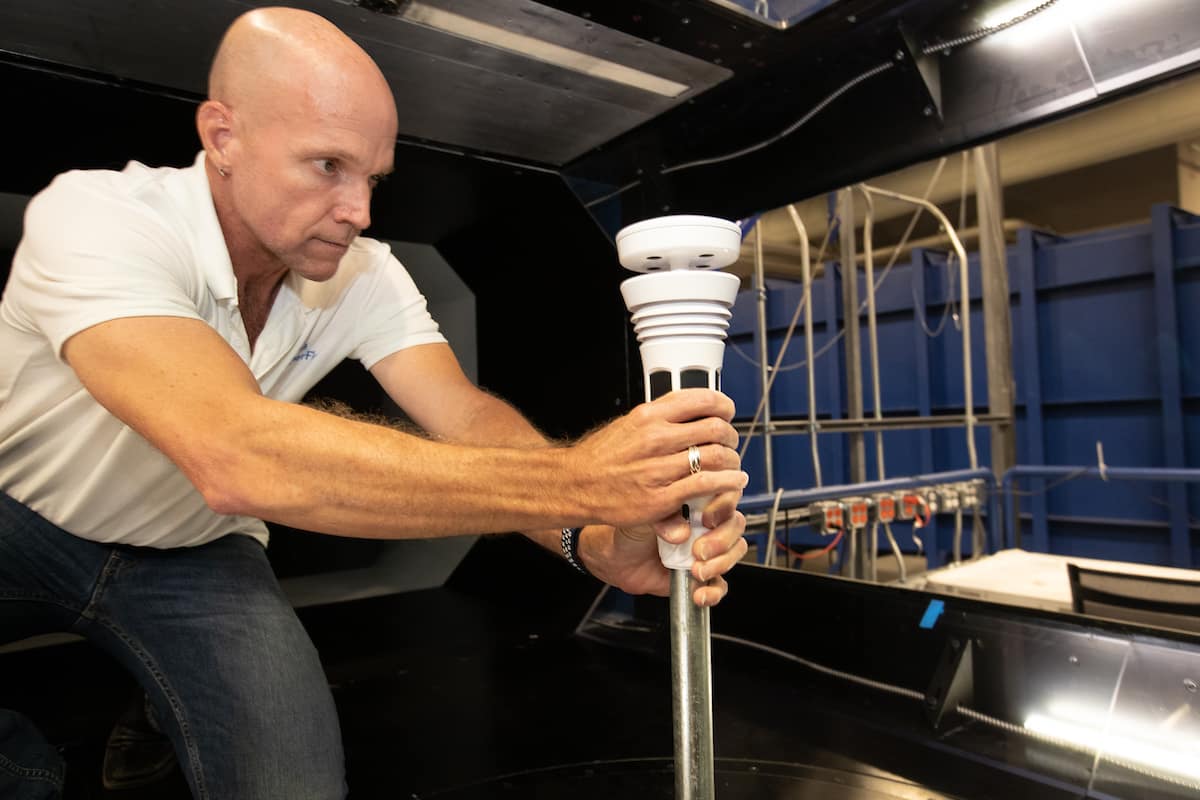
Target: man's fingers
point(709, 430)
point(718, 564)
point(720, 509)
point(712, 457)
point(684, 405)
point(707, 483)
point(711, 593)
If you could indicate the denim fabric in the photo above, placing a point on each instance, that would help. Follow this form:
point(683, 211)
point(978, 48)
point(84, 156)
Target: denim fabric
point(233, 677)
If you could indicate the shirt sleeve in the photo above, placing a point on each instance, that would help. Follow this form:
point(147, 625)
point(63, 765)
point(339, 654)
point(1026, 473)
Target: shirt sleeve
point(395, 316)
point(89, 256)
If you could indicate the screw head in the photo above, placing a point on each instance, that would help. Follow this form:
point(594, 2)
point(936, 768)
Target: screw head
point(1073, 661)
point(927, 111)
point(1190, 685)
point(899, 55)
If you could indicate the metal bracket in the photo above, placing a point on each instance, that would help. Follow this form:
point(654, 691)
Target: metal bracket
point(953, 681)
point(912, 61)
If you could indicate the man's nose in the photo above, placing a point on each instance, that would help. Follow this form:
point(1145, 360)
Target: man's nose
point(354, 206)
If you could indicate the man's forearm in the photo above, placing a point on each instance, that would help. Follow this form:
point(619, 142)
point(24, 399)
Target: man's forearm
point(496, 422)
point(314, 470)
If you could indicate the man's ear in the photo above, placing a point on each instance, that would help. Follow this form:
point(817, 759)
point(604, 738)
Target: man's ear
point(214, 123)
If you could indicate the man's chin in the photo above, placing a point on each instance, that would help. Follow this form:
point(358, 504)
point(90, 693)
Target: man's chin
point(317, 270)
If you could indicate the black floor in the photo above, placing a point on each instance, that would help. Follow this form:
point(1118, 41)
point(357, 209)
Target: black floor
point(480, 690)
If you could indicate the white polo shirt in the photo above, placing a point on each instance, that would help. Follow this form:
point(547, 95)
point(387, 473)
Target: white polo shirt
point(101, 245)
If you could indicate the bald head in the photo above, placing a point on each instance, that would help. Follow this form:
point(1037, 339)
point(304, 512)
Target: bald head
point(299, 127)
point(274, 60)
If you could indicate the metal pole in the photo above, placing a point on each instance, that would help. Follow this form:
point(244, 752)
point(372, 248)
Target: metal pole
point(760, 285)
point(797, 497)
point(806, 273)
point(854, 386)
point(691, 691)
point(997, 311)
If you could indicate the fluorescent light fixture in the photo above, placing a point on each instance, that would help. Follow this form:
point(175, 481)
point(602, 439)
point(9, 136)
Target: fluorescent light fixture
point(1118, 745)
point(540, 50)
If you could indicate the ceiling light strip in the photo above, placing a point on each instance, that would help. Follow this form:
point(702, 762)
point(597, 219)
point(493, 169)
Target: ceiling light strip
point(541, 50)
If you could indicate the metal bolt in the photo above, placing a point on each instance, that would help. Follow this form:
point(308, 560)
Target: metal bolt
point(1190, 685)
point(928, 111)
point(899, 55)
point(1073, 660)
point(852, 19)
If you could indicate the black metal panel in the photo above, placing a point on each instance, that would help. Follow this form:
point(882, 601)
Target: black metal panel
point(449, 89)
point(990, 87)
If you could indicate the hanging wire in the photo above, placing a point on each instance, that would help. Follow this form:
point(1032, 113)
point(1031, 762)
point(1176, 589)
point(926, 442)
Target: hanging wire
point(829, 345)
point(949, 310)
point(878, 69)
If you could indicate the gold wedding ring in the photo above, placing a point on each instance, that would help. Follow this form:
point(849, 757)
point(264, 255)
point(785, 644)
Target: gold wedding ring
point(694, 459)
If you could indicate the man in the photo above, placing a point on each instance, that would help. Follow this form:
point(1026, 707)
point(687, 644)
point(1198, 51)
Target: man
point(148, 420)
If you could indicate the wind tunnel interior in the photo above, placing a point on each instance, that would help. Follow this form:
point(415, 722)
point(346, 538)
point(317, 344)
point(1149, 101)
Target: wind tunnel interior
point(512, 176)
point(516, 168)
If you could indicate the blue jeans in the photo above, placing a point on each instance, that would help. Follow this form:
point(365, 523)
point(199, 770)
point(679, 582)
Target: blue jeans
point(233, 677)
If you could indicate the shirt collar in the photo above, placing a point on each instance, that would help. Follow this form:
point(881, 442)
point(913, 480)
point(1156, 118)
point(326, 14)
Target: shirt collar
point(212, 256)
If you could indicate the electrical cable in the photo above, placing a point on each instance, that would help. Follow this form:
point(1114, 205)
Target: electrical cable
point(878, 69)
point(978, 536)
point(806, 278)
point(982, 33)
point(948, 311)
point(774, 370)
point(874, 553)
point(873, 342)
point(912, 223)
point(770, 554)
point(958, 532)
point(817, 553)
point(960, 251)
point(887, 530)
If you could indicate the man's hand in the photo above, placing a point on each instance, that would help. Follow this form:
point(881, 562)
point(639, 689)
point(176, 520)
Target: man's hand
point(635, 469)
point(628, 557)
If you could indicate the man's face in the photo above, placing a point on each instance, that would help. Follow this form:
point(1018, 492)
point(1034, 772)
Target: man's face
point(304, 182)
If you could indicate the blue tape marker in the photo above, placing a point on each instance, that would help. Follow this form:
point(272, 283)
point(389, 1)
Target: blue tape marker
point(935, 609)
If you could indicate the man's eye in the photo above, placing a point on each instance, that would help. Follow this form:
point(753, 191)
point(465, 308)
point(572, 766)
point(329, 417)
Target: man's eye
point(326, 166)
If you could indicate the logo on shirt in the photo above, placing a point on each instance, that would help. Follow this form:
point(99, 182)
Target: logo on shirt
point(305, 354)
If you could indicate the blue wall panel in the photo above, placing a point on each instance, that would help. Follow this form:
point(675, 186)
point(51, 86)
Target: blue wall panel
point(1099, 334)
point(1095, 336)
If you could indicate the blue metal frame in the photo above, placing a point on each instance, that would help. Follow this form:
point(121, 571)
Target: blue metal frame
point(1025, 269)
point(1162, 254)
point(802, 497)
point(1103, 352)
point(1165, 475)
